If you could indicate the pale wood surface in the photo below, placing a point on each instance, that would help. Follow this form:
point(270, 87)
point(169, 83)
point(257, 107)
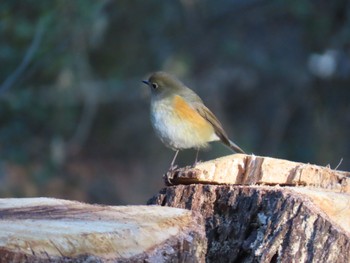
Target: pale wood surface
point(44, 229)
point(331, 205)
point(244, 169)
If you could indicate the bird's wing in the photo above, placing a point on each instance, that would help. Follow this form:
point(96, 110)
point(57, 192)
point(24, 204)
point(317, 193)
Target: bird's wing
point(210, 117)
point(196, 102)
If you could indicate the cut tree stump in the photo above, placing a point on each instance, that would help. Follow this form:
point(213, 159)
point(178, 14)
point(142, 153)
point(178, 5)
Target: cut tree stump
point(238, 208)
point(53, 230)
point(303, 217)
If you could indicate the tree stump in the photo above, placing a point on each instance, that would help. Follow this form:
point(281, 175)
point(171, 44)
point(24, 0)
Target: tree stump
point(52, 230)
point(304, 217)
point(240, 208)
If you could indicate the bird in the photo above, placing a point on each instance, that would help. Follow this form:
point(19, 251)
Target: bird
point(180, 118)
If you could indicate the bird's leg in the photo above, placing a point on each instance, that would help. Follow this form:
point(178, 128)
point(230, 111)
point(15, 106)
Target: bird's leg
point(169, 176)
point(196, 161)
point(172, 166)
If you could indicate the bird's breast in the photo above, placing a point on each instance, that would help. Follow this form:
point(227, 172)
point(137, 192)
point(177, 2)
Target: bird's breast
point(178, 125)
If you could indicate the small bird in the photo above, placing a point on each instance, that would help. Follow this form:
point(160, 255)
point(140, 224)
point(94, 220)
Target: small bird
point(179, 117)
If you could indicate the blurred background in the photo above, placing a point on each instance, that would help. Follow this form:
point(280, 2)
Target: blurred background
point(74, 114)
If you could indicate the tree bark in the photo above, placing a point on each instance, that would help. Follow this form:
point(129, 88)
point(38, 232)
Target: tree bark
point(52, 230)
point(265, 224)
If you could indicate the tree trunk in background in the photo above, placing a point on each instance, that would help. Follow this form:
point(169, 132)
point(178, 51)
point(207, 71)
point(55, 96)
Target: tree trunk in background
point(266, 223)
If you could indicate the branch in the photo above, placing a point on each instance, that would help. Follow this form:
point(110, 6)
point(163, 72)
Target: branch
point(10, 80)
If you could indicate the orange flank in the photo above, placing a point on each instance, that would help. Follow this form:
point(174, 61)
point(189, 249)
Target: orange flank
point(187, 114)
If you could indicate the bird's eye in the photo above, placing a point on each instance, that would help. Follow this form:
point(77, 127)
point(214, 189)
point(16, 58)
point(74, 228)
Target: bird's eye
point(154, 85)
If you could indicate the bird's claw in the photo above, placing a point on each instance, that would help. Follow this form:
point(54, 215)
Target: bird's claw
point(172, 168)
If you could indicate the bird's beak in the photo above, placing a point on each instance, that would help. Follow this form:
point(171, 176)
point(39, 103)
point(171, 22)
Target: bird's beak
point(146, 82)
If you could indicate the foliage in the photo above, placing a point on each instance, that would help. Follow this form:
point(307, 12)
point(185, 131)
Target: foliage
point(75, 117)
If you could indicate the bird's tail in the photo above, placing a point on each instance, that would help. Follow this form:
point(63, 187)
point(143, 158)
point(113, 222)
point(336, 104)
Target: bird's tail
point(235, 147)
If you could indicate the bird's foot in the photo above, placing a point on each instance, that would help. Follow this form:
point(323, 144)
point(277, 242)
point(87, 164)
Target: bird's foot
point(195, 164)
point(172, 168)
point(169, 175)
